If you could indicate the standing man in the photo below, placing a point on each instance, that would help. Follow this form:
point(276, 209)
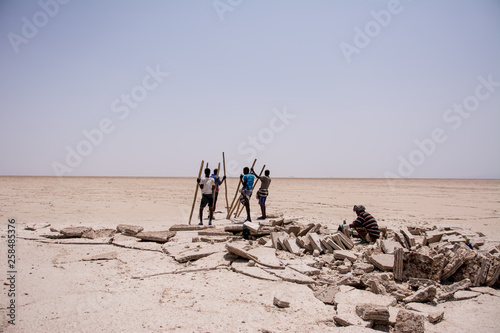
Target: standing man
point(365, 225)
point(217, 182)
point(247, 180)
point(207, 186)
point(263, 192)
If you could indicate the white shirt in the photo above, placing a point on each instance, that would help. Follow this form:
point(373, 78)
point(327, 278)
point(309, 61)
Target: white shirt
point(207, 185)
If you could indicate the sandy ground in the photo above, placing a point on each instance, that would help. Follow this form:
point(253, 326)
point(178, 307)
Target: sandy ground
point(58, 292)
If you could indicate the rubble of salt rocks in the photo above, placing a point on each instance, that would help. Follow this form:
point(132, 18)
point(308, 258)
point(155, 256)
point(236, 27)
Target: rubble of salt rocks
point(396, 283)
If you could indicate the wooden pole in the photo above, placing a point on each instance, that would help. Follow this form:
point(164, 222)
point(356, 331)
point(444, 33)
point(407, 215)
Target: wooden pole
point(232, 203)
point(196, 192)
point(237, 206)
point(215, 189)
point(254, 184)
point(225, 182)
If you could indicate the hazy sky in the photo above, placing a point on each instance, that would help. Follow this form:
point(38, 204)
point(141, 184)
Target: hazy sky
point(310, 88)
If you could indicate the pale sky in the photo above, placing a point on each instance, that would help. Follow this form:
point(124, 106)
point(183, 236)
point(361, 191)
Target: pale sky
point(359, 89)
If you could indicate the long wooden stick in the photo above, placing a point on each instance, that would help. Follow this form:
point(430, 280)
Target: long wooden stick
point(225, 182)
point(196, 192)
point(254, 184)
point(232, 203)
point(237, 205)
point(215, 189)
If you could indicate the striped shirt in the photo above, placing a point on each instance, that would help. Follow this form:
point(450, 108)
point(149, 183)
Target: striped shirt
point(367, 221)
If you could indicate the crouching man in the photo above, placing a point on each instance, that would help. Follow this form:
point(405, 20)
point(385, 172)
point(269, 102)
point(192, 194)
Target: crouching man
point(365, 225)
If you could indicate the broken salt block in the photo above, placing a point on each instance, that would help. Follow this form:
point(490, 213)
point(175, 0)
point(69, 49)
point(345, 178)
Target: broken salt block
point(337, 242)
point(74, 232)
point(350, 319)
point(463, 295)
point(262, 241)
point(103, 256)
point(348, 243)
point(334, 245)
point(343, 269)
point(156, 236)
point(418, 265)
point(315, 242)
point(194, 254)
point(389, 246)
point(475, 268)
point(324, 242)
point(432, 237)
point(290, 275)
point(214, 232)
point(130, 230)
point(343, 254)
point(305, 269)
point(422, 296)
point(372, 312)
point(434, 315)
point(253, 271)
point(36, 226)
point(408, 321)
point(401, 239)
point(99, 233)
point(188, 227)
point(280, 302)
point(493, 273)
point(366, 268)
point(212, 240)
point(487, 290)
point(293, 230)
point(253, 227)
point(454, 264)
point(327, 295)
point(384, 262)
point(266, 256)
point(417, 283)
point(235, 228)
point(275, 239)
point(409, 237)
point(291, 245)
point(240, 251)
point(376, 287)
point(449, 291)
point(316, 253)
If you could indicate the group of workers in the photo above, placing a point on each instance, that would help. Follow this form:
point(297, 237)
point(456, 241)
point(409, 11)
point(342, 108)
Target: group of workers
point(364, 226)
point(210, 184)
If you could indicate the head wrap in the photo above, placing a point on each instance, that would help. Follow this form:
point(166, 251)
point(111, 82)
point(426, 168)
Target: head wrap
point(359, 208)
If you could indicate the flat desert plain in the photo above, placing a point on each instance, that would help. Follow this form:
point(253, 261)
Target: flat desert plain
point(58, 290)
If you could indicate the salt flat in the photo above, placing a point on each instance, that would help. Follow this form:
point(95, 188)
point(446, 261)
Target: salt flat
point(59, 291)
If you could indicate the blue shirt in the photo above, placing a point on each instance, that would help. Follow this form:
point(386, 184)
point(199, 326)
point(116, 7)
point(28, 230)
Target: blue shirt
point(216, 180)
point(249, 179)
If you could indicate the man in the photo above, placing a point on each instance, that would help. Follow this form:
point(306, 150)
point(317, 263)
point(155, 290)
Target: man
point(217, 182)
point(247, 180)
point(365, 225)
point(207, 186)
point(263, 192)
